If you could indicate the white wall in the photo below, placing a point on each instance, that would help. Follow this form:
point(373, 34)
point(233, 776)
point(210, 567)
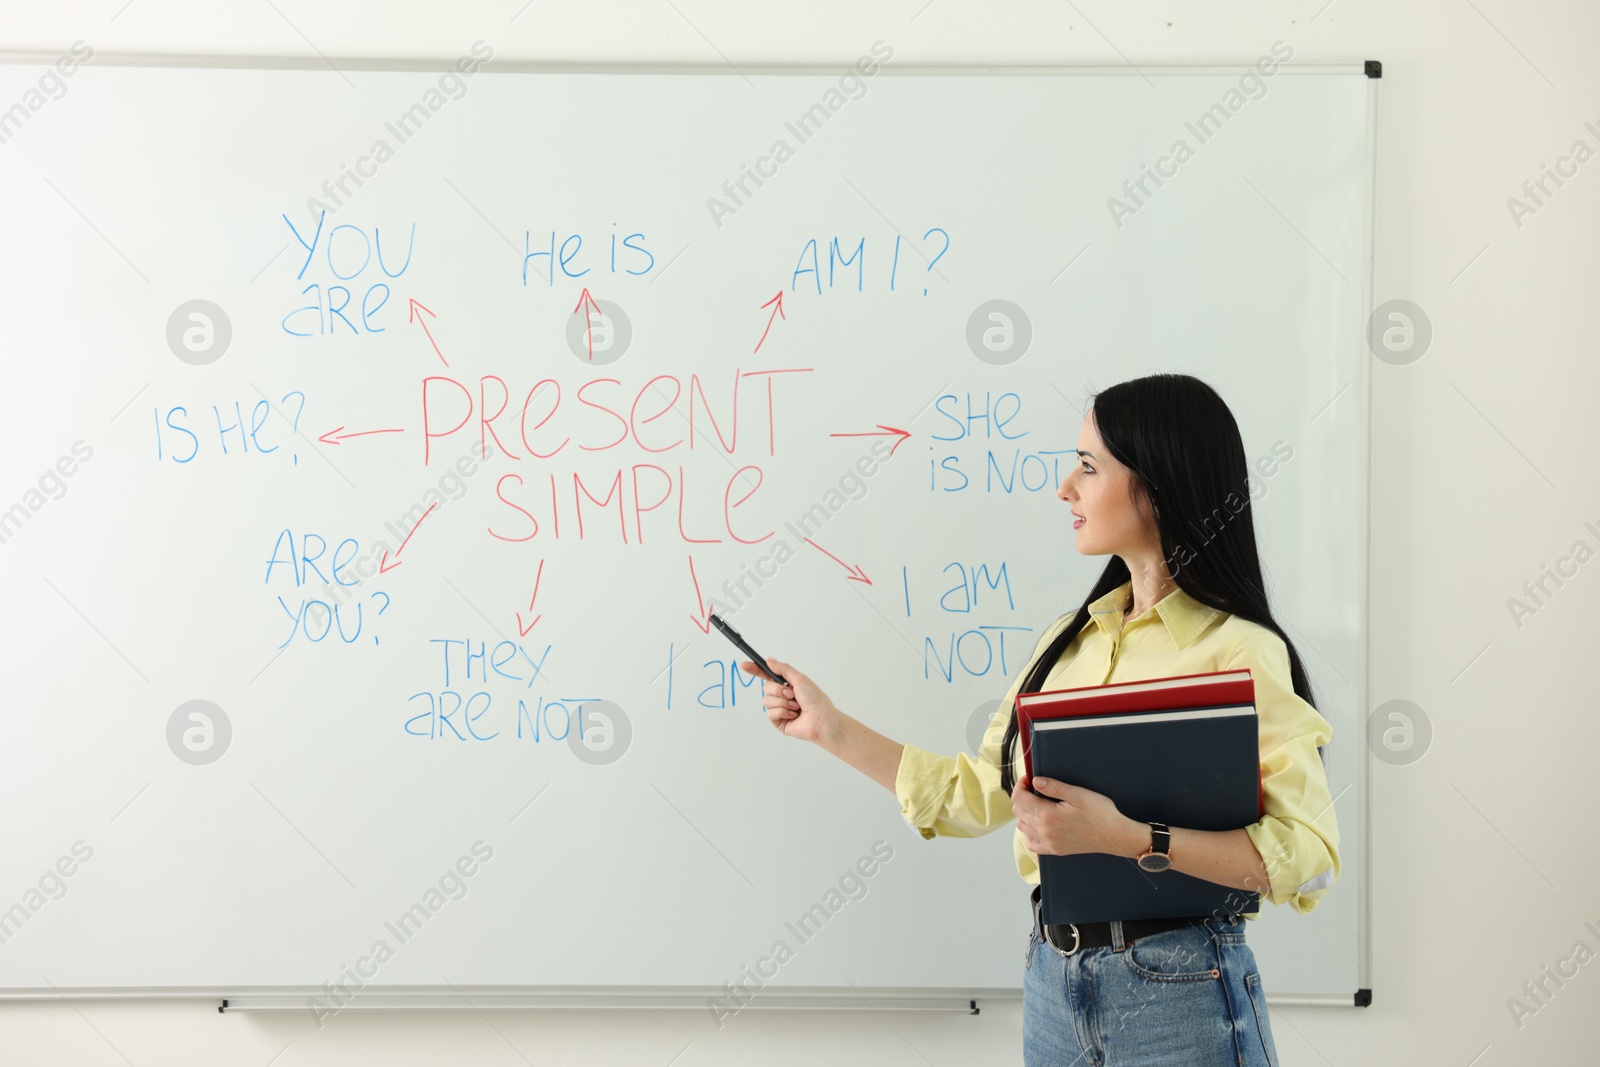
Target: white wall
point(1483, 473)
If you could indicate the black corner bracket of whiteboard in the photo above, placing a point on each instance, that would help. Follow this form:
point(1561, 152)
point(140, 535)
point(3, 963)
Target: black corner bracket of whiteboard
point(1374, 68)
point(1363, 998)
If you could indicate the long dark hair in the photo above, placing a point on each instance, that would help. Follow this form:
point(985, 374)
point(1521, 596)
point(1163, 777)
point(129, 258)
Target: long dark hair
point(1182, 445)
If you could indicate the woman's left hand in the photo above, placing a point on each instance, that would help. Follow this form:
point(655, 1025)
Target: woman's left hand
point(1076, 820)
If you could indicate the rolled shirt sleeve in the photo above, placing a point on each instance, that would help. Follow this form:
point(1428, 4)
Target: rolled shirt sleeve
point(960, 796)
point(1298, 836)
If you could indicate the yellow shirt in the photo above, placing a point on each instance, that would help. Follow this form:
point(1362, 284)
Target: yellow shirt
point(1298, 837)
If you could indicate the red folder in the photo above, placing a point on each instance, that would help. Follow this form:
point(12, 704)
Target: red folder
point(1209, 689)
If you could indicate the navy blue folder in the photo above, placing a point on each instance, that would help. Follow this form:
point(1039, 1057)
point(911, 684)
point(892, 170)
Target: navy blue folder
point(1195, 768)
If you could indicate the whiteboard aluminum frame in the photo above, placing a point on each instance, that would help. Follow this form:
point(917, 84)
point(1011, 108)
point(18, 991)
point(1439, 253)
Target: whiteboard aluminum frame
point(336, 64)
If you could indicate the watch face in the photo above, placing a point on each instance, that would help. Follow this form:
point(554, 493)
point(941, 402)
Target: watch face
point(1155, 861)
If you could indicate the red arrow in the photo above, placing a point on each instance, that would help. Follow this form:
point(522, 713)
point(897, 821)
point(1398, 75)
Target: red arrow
point(775, 313)
point(588, 321)
point(411, 316)
point(856, 573)
point(881, 430)
point(523, 631)
point(383, 564)
point(333, 436)
point(704, 621)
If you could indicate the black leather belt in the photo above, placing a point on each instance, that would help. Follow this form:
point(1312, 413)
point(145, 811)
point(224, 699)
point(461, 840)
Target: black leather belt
point(1068, 938)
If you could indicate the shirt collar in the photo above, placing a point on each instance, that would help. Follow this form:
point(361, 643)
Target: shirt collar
point(1184, 616)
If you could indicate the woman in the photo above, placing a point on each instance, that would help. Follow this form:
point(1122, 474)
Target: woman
point(1161, 486)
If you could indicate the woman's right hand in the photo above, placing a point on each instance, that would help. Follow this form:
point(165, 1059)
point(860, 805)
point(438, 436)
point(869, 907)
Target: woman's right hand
point(801, 709)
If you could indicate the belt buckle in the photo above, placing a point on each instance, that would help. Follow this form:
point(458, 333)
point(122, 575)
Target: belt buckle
point(1044, 931)
point(1077, 941)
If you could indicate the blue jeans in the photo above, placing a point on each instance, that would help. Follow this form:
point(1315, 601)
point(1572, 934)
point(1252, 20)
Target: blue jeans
point(1190, 996)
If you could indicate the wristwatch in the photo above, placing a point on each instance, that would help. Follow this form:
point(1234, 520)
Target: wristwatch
point(1158, 856)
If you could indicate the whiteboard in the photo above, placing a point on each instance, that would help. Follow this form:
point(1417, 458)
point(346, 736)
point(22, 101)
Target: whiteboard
point(488, 704)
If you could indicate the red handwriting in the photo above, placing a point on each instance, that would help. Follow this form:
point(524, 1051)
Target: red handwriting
point(336, 435)
point(595, 501)
point(856, 573)
point(775, 313)
point(882, 430)
point(523, 630)
point(411, 316)
point(588, 319)
point(702, 616)
point(449, 406)
point(383, 564)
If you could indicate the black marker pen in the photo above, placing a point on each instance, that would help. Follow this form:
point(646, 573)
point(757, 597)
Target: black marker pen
point(744, 646)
